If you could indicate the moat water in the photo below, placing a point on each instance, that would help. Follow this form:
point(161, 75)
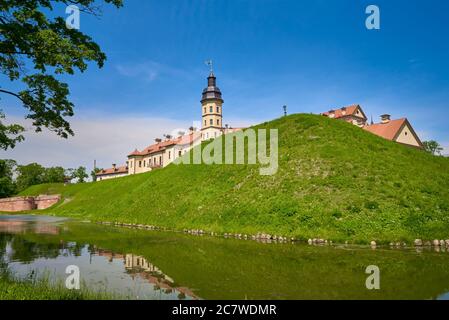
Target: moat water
point(143, 264)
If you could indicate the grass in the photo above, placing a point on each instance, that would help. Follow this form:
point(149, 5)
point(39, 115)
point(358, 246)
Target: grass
point(335, 181)
point(42, 289)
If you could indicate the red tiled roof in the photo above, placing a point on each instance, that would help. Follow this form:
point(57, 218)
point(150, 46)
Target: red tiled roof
point(232, 130)
point(387, 130)
point(350, 110)
point(117, 170)
point(160, 146)
point(189, 138)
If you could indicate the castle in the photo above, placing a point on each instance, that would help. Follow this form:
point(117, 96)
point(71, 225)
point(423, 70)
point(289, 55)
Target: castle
point(165, 151)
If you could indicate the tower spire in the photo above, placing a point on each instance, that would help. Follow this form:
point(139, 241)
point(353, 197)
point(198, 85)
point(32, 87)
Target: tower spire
point(210, 63)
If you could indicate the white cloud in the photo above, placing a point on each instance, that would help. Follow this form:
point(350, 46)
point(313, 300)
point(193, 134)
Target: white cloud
point(149, 70)
point(107, 139)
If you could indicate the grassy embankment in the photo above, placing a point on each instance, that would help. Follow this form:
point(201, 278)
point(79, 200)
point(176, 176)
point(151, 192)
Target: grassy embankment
point(335, 181)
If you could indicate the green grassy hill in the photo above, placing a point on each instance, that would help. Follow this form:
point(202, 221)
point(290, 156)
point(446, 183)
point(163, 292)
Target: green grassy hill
point(335, 181)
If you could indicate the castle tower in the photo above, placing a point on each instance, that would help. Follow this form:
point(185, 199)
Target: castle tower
point(211, 108)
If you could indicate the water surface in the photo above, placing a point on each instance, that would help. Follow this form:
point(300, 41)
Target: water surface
point(143, 264)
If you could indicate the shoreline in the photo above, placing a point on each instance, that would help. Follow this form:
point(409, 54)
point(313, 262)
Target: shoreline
point(262, 237)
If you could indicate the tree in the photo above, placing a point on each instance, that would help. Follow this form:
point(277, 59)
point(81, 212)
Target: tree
point(432, 147)
point(29, 175)
point(94, 172)
point(32, 35)
point(80, 174)
point(7, 185)
point(54, 175)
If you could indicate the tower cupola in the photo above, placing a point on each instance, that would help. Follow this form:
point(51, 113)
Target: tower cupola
point(212, 92)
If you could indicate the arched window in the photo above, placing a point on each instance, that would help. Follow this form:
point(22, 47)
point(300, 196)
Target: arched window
point(205, 122)
point(218, 122)
point(218, 109)
point(204, 109)
point(211, 109)
point(211, 121)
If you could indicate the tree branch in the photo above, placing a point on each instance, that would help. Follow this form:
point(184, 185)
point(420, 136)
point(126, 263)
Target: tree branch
point(12, 94)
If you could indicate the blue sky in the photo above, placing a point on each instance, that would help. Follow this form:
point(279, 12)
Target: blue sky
point(309, 55)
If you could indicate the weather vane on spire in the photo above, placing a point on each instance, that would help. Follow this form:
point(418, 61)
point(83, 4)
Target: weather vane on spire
point(210, 64)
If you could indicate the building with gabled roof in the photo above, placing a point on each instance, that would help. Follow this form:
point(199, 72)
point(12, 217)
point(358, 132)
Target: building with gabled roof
point(114, 172)
point(352, 114)
point(162, 153)
point(400, 130)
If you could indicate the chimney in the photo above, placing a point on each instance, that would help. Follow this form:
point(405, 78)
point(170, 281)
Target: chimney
point(385, 118)
point(114, 167)
point(158, 140)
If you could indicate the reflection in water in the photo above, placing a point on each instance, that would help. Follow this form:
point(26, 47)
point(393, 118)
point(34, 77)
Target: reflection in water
point(21, 256)
point(144, 264)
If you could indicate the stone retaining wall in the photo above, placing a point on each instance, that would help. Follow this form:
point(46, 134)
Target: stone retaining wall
point(18, 204)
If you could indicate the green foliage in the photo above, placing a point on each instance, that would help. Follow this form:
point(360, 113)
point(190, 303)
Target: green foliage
point(54, 175)
point(79, 174)
point(94, 172)
point(32, 35)
point(342, 184)
point(432, 147)
point(9, 134)
point(29, 175)
point(35, 174)
point(7, 185)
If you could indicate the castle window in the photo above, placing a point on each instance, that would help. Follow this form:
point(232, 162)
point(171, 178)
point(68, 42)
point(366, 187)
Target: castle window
point(211, 109)
point(180, 153)
point(205, 123)
point(169, 155)
point(211, 122)
point(218, 109)
point(204, 109)
point(140, 164)
point(144, 163)
point(218, 122)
